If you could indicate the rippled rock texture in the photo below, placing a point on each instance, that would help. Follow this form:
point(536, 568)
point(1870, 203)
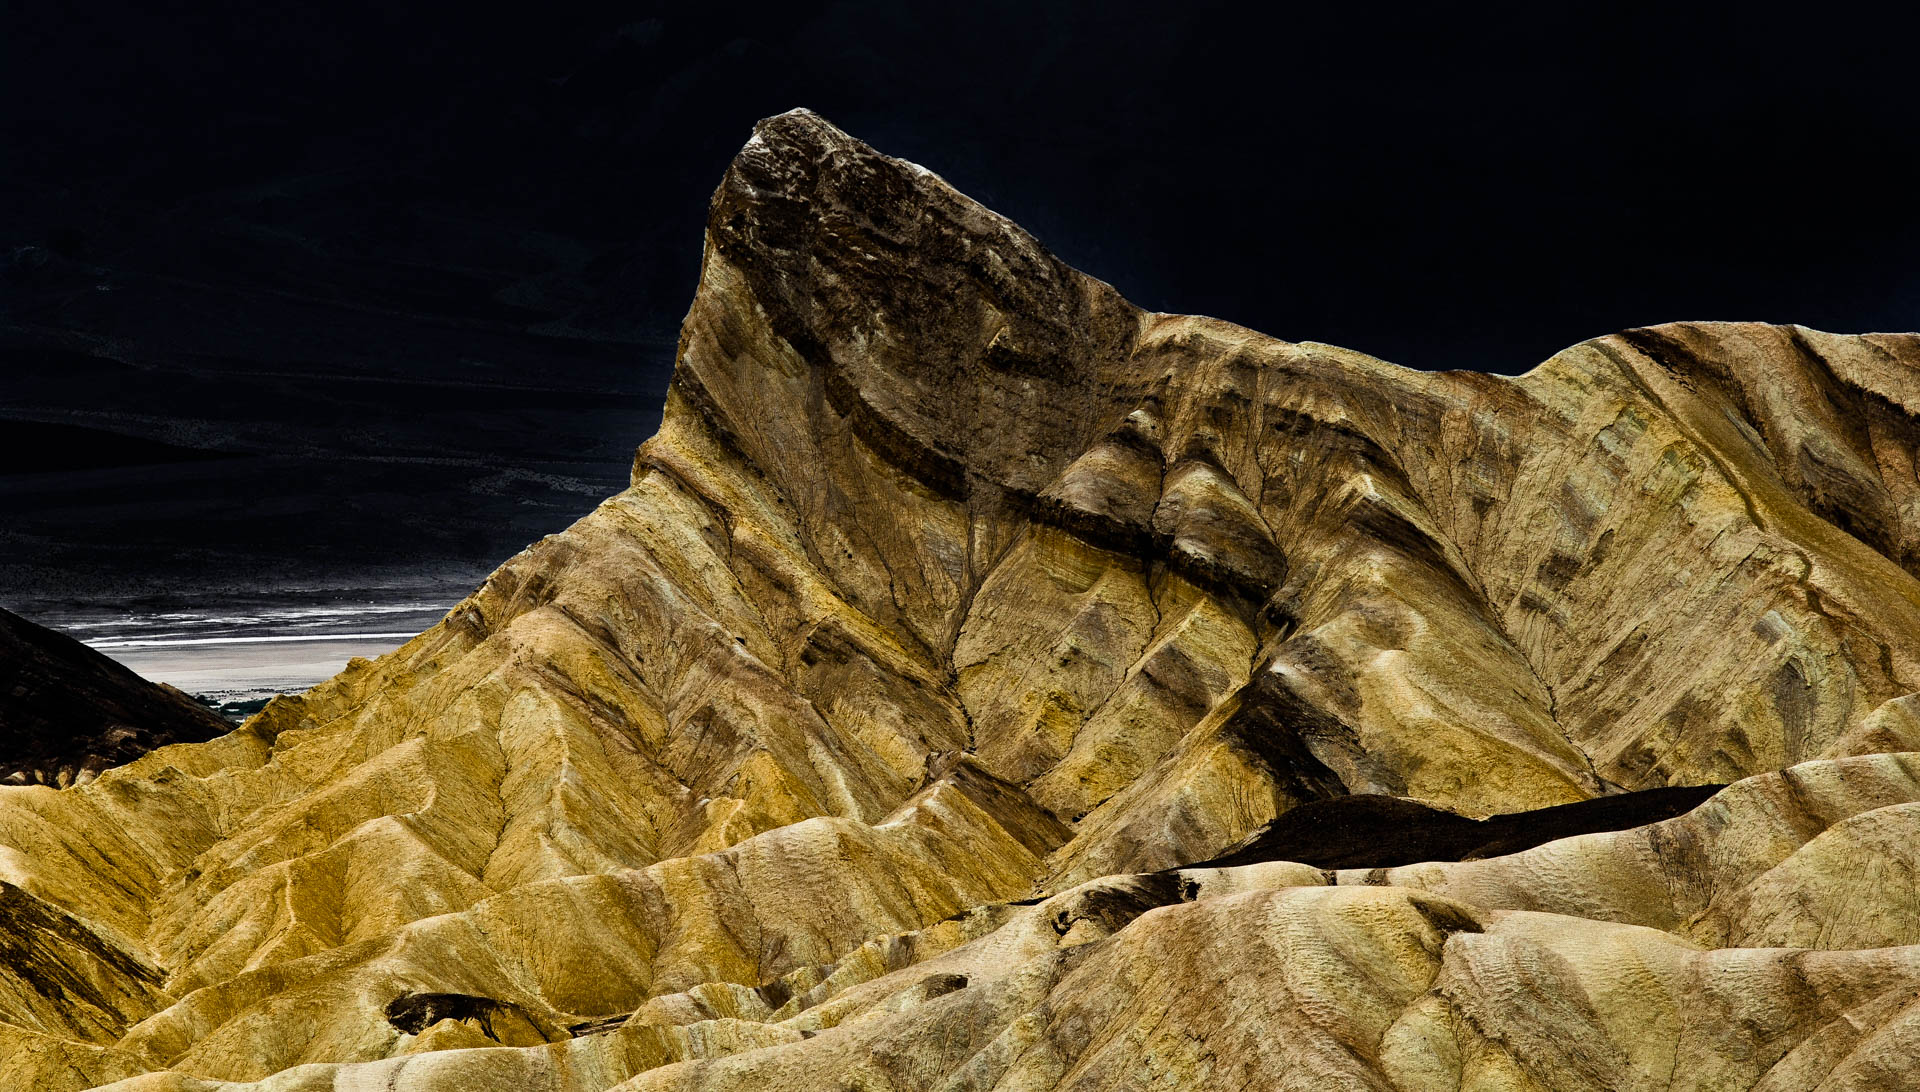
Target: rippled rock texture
point(932, 711)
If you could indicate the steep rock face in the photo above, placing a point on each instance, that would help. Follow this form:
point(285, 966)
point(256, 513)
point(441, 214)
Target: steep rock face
point(873, 736)
point(67, 712)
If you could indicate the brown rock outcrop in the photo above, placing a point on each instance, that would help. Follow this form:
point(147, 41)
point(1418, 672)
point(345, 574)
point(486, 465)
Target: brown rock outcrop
point(875, 735)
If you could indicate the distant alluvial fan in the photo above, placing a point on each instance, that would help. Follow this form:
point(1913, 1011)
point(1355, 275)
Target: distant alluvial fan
point(986, 684)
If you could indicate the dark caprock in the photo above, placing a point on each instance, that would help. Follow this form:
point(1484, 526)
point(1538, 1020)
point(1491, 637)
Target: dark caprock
point(67, 712)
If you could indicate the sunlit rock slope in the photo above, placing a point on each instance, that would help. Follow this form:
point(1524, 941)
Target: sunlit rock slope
point(921, 715)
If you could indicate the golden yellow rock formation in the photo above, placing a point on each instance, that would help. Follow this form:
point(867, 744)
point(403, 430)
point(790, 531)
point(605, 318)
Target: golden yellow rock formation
point(874, 737)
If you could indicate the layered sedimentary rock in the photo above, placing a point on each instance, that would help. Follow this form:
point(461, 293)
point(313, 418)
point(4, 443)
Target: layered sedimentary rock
point(933, 710)
point(67, 712)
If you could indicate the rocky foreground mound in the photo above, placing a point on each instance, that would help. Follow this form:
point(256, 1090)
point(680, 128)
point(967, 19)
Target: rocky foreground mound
point(932, 711)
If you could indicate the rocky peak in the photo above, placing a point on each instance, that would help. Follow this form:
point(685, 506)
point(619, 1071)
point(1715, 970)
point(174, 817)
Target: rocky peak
point(944, 335)
point(986, 684)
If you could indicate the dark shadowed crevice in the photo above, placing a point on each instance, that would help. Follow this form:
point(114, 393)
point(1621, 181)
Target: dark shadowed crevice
point(1374, 831)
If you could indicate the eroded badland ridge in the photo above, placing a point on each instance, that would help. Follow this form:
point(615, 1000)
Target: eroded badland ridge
point(874, 736)
point(68, 712)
